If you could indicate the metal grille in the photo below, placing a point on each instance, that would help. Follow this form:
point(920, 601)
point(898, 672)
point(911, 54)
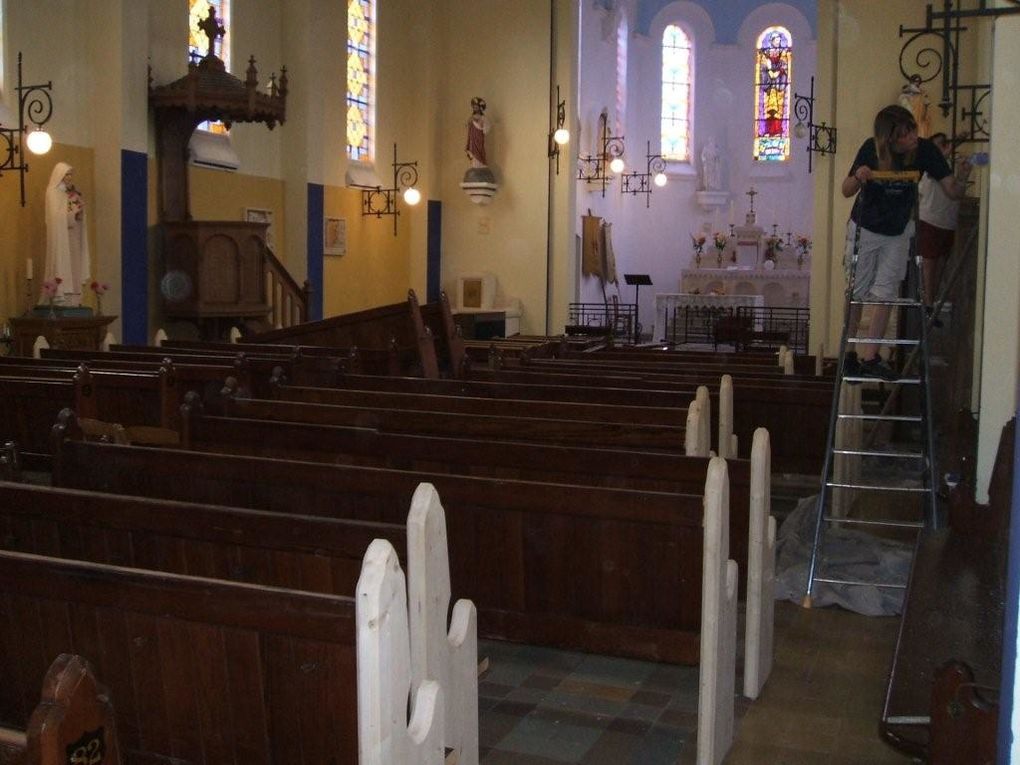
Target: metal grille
point(602, 318)
point(743, 327)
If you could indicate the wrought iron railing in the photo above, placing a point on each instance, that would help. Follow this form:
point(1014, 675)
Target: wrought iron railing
point(615, 319)
point(743, 327)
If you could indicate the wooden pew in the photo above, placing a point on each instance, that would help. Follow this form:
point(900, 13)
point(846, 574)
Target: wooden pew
point(613, 435)
point(201, 670)
point(953, 615)
point(29, 404)
point(73, 722)
point(552, 564)
point(299, 552)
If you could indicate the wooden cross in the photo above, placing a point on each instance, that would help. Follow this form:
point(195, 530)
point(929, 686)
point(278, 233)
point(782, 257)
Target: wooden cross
point(212, 28)
point(752, 193)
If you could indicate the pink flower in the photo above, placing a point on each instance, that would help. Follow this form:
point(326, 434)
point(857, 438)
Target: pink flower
point(100, 288)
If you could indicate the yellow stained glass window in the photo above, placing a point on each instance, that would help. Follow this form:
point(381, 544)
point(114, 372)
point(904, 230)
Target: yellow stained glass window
point(772, 72)
point(360, 78)
point(677, 78)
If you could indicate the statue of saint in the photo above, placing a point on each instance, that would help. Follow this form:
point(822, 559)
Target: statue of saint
point(915, 100)
point(67, 244)
point(711, 166)
point(477, 126)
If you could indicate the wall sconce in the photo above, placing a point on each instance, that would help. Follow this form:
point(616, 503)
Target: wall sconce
point(643, 183)
point(35, 105)
point(821, 138)
point(600, 167)
point(558, 134)
point(379, 201)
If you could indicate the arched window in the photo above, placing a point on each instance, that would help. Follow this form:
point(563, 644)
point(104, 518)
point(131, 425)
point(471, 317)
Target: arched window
point(772, 70)
point(198, 43)
point(677, 81)
point(621, 75)
point(360, 79)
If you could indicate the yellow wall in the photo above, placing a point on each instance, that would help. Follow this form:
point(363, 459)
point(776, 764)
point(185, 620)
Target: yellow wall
point(23, 229)
point(219, 195)
point(375, 270)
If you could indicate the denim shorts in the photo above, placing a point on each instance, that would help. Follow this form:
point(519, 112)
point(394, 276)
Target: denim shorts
point(881, 262)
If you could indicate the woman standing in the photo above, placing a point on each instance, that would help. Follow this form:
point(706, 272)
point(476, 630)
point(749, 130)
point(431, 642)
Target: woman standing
point(67, 245)
point(882, 213)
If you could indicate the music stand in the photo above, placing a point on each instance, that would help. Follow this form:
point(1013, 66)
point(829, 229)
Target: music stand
point(637, 281)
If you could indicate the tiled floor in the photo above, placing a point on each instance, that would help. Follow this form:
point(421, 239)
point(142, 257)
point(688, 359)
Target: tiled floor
point(821, 705)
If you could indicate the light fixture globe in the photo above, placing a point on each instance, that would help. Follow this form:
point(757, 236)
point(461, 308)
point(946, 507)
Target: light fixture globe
point(561, 136)
point(616, 165)
point(800, 130)
point(412, 196)
point(660, 179)
point(39, 141)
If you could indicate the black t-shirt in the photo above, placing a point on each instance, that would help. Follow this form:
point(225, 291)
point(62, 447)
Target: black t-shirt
point(885, 208)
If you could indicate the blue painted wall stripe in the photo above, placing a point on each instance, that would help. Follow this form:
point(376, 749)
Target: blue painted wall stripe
point(134, 246)
point(433, 262)
point(315, 244)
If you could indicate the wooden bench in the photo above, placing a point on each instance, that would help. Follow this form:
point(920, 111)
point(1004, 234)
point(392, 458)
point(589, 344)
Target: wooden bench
point(953, 613)
point(298, 552)
point(73, 722)
point(553, 564)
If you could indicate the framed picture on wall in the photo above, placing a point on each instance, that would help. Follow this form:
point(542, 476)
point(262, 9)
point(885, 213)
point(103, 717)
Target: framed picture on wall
point(334, 236)
point(261, 215)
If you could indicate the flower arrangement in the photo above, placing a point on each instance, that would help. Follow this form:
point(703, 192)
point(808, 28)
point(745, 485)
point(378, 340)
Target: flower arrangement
point(720, 241)
point(803, 248)
point(698, 242)
point(773, 246)
point(50, 288)
point(100, 288)
point(75, 202)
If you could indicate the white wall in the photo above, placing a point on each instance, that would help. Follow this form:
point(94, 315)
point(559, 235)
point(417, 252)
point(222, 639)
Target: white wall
point(656, 240)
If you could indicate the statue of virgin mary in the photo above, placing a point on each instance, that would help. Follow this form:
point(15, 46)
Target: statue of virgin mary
point(67, 245)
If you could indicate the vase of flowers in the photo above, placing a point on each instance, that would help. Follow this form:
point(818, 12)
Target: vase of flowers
point(773, 246)
point(100, 289)
point(698, 242)
point(50, 288)
point(720, 241)
point(803, 248)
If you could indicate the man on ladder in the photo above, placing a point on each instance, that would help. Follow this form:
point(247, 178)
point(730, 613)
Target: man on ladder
point(881, 227)
point(880, 236)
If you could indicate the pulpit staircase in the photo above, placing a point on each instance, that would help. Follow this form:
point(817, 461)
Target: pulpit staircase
point(840, 481)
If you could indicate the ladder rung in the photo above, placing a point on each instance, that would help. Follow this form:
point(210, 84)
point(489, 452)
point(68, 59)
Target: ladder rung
point(908, 720)
point(889, 417)
point(900, 381)
point(854, 583)
point(867, 453)
point(872, 487)
point(908, 302)
point(883, 340)
point(863, 522)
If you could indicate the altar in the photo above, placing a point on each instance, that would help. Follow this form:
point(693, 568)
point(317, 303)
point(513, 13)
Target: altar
point(779, 287)
point(666, 304)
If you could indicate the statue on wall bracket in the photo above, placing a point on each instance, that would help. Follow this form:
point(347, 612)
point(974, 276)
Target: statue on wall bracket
point(479, 182)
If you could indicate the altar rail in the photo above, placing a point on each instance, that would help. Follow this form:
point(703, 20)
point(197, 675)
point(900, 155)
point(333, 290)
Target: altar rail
point(617, 319)
point(743, 327)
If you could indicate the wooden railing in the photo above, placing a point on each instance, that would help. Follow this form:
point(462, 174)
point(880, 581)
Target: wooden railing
point(287, 301)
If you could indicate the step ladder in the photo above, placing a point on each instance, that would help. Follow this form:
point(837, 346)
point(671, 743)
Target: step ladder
point(847, 418)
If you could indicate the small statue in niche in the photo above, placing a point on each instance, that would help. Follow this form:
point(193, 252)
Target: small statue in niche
point(711, 166)
point(479, 182)
point(67, 243)
point(478, 125)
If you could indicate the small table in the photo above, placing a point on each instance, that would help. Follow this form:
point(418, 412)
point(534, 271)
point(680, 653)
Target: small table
point(78, 333)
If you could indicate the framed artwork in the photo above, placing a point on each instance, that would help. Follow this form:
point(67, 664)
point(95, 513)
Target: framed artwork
point(334, 236)
point(472, 293)
point(261, 215)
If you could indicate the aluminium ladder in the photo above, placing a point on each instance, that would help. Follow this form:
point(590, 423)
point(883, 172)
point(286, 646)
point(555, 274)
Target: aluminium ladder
point(925, 454)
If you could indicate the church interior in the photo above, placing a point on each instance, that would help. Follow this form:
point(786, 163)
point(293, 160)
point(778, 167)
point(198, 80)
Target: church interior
point(273, 171)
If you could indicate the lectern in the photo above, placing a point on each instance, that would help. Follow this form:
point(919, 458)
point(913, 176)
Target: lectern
point(637, 281)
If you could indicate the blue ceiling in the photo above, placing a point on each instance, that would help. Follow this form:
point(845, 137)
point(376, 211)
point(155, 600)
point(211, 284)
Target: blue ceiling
point(727, 15)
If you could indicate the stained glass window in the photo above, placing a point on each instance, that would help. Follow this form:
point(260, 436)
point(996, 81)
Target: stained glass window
point(360, 78)
point(773, 64)
point(198, 43)
point(621, 75)
point(677, 77)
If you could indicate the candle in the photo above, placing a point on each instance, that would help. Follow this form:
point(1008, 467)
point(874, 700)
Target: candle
point(731, 212)
point(28, 268)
